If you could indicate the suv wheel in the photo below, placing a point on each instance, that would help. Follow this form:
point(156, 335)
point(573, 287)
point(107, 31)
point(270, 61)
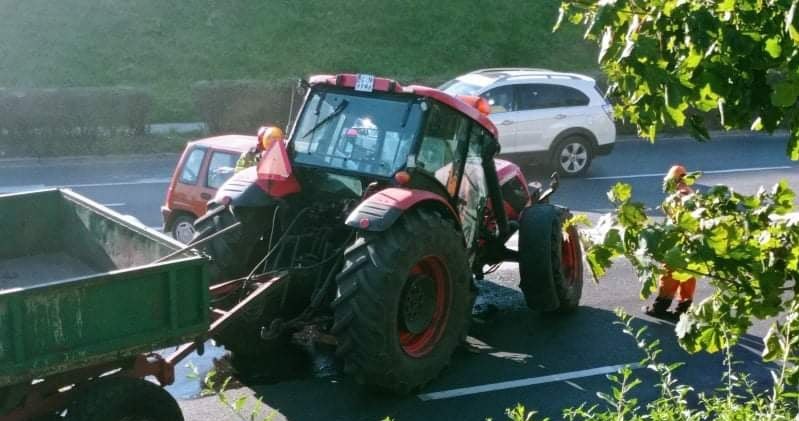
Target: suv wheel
point(572, 156)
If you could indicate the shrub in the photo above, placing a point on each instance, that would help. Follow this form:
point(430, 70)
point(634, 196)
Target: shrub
point(73, 111)
point(244, 105)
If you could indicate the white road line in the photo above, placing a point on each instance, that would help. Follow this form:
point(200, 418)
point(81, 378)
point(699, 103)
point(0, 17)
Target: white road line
point(733, 170)
point(121, 183)
point(24, 188)
point(473, 390)
point(114, 205)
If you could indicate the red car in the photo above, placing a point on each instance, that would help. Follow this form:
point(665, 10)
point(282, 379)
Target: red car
point(204, 166)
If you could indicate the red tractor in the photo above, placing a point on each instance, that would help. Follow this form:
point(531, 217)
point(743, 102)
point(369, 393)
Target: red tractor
point(372, 223)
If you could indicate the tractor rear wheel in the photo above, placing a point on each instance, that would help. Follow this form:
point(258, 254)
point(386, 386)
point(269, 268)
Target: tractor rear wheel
point(550, 264)
point(404, 302)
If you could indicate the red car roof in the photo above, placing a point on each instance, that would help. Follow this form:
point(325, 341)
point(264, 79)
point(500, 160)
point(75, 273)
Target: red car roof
point(231, 142)
point(348, 80)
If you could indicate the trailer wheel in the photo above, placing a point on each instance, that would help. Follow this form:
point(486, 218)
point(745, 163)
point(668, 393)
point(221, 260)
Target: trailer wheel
point(123, 399)
point(404, 302)
point(550, 265)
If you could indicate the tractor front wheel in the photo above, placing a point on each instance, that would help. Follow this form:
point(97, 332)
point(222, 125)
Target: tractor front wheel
point(550, 259)
point(404, 302)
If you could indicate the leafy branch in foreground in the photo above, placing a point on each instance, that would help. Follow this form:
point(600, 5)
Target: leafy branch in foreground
point(238, 406)
point(747, 247)
point(670, 62)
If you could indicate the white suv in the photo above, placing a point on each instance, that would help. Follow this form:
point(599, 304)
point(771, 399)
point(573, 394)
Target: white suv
point(544, 116)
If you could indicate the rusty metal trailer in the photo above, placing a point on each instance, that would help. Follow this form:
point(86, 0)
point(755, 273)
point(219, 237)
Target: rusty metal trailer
point(86, 295)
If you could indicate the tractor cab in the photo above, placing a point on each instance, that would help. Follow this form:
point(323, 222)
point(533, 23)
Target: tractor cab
point(373, 131)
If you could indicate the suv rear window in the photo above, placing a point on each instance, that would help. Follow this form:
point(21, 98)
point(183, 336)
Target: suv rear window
point(191, 168)
point(540, 96)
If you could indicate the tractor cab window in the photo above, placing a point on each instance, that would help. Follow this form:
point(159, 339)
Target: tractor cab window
point(441, 151)
point(358, 133)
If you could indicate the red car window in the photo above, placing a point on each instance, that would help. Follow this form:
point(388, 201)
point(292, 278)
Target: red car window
point(220, 168)
point(191, 169)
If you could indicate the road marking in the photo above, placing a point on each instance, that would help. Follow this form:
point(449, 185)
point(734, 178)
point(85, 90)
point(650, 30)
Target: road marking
point(164, 180)
point(513, 384)
point(733, 170)
point(20, 189)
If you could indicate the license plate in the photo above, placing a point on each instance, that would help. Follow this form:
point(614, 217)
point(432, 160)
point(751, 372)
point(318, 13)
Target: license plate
point(365, 83)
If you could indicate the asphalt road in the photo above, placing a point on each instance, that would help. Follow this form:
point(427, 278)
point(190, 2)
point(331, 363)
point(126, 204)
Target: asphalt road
point(514, 356)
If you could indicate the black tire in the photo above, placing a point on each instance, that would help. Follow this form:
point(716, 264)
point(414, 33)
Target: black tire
point(572, 156)
point(182, 228)
point(254, 358)
point(233, 252)
point(550, 266)
point(375, 303)
point(122, 398)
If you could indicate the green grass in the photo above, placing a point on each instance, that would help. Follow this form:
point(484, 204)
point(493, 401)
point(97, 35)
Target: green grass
point(168, 45)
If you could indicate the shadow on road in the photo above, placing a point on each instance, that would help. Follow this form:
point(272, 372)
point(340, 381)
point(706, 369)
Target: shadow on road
point(508, 342)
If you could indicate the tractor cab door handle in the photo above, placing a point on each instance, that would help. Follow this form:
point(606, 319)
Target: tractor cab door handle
point(560, 116)
point(507, 122)
point(205, 196)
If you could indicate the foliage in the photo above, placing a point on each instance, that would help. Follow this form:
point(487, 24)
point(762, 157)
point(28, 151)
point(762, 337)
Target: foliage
point(242, 406)
point(71, 112)
point(100, 144)
point(245, 105)
point(669, 62)
point(738, 399)
point(746, 246)
point(167, 46)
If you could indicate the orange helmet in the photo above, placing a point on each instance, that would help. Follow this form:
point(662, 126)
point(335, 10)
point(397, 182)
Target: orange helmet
point(676, 172)
point(268, 135)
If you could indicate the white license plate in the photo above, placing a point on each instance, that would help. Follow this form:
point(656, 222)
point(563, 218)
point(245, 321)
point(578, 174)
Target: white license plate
point(365, 83)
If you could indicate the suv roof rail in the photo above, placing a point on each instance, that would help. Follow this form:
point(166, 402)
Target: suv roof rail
point(511, 69)
point(553, 75)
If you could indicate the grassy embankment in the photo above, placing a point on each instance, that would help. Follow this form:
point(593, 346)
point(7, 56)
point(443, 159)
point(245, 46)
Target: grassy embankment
point(166, 46)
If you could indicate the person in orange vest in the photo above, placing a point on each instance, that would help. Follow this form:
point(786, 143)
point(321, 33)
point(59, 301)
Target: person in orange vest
point(668, 287)
point(266, 137)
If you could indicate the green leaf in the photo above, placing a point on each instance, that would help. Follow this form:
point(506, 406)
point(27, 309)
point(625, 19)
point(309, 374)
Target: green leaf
point(719, 240)
point(598, 258)
point(632, 214)
point(784, 94)
point(620, 193)
point(771, 342)
point(773, 47)
point(688, 222)
point(726, 6)
point(793, 145)
point(789, 18)
point(681, 276)
point(238, 404)
point(783, 198)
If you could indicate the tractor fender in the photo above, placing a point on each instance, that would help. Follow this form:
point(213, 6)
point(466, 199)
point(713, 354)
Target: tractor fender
point(243, 189)
point(380, 210)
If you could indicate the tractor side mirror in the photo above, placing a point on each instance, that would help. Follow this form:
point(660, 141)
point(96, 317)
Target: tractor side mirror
point(554, 181)
point(535, 189)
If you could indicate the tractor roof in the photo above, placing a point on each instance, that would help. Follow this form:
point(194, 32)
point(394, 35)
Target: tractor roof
point(348, 80)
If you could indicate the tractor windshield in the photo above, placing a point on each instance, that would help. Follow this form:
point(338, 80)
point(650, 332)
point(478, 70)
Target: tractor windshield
point(363, 133)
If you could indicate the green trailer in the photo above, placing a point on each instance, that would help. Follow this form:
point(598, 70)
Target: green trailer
point(84, 295)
